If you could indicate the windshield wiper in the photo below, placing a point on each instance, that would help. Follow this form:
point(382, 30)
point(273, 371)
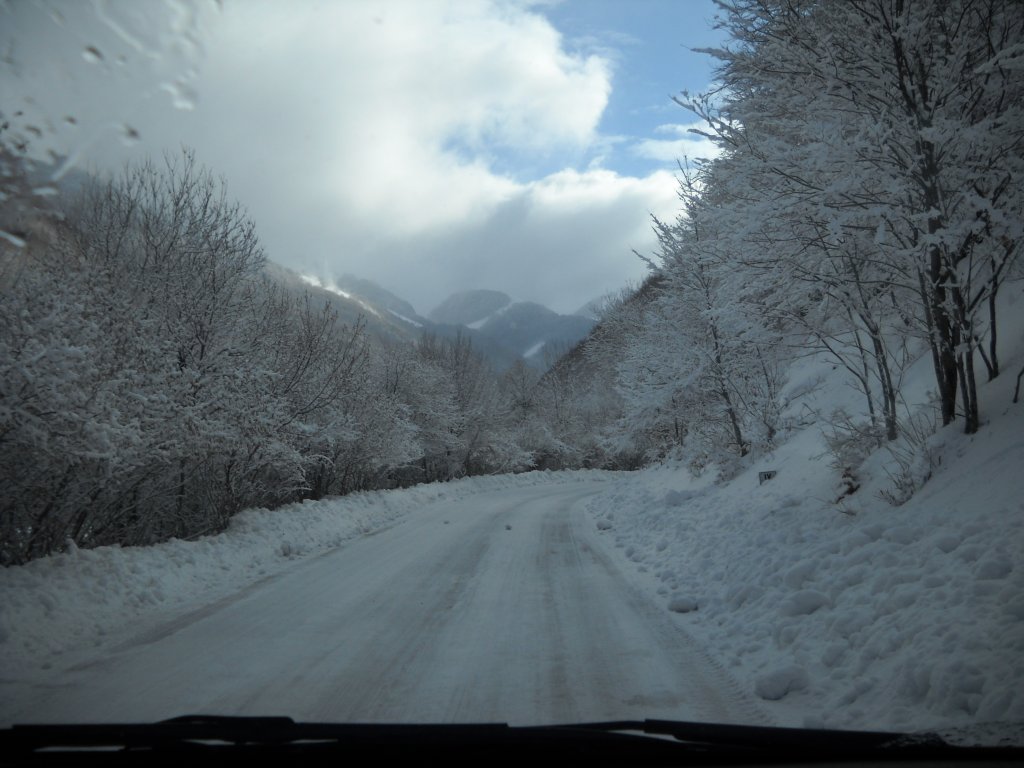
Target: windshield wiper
point(760, 737)
point(635, 742)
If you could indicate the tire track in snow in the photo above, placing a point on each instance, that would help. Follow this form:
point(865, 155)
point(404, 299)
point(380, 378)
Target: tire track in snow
point(501, 607)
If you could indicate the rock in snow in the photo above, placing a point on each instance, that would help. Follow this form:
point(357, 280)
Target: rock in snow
point(682, 605)
point(780, 683)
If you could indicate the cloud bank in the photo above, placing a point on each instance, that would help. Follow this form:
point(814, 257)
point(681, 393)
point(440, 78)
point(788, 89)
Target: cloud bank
point(394, 140)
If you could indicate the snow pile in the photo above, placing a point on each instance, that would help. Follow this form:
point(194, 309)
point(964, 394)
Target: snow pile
point(62, 605)
point(849, 613)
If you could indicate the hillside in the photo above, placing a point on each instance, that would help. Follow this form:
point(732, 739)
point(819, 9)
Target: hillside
point(351, 305)
point(525, 330)
point(469, 307)
point(502, 331)
point(887, 596)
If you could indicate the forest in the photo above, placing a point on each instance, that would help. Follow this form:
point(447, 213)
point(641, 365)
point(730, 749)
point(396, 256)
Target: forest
point(866, 205)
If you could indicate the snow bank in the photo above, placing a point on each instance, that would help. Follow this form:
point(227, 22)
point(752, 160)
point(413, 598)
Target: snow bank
point(59, 607)
point(856, 613)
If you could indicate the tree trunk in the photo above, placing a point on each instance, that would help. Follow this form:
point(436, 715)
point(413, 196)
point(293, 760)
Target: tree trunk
point(945, 333)
point(964, 331)
point(886, 382)
point(965, 370)
point(993, 355)
point(946, 339)
point(737, 433)
point(723, 391)
point(864, 376)
point(947, 408)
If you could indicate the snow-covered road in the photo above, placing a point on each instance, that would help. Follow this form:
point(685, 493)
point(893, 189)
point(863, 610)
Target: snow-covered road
point(499, 607)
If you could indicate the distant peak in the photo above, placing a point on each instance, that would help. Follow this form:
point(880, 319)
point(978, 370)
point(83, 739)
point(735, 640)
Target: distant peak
point(466, 307)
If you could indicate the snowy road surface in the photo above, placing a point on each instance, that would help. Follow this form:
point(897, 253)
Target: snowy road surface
point(501, 607)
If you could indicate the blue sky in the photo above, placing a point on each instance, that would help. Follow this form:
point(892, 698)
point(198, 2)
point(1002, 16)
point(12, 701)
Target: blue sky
point(428, 145)
point(652, 46)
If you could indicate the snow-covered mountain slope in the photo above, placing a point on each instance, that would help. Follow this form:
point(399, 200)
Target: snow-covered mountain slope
point(350, 304)
point(384, 315)
point(527, 330)
point(469, 308)
point(500, 330)
point(381, 298)
point(528, 327)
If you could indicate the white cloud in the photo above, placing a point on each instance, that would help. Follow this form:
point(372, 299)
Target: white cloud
point(561, 241)
point(362, 103)
point(684, 143)
point(360, 137)
point(381, 189)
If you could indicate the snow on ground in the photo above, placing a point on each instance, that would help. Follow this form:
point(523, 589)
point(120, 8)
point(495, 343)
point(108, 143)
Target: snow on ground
point(405, 319)
point(476, 325)
point(856, 613)
point(840, 612)
point(59, 608)
point(533, 350)
point(329, 286)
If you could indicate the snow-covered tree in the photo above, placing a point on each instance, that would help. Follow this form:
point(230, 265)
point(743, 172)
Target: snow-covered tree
point(895, 123)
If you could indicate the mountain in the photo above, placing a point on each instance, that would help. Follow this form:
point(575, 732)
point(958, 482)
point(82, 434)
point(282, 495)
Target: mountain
point(381, 298)
point(502, 331)
point(381, 319)
point(469, 307)
point(582, 360)
point(534, 331)
point(527, 330)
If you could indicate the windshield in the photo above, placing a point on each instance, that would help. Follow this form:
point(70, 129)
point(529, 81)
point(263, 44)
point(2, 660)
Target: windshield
point(513, 361)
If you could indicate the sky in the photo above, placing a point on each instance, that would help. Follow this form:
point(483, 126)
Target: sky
point(430, 146)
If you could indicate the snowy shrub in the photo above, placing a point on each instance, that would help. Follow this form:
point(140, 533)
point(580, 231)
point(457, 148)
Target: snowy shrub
point(849, 443)
point(913, 457)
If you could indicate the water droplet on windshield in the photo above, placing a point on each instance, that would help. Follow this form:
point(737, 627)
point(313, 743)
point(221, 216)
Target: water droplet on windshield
point(129, 135)
point(182, 96)
point(11, 238)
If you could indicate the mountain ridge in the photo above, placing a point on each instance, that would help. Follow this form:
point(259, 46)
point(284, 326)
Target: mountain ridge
point(503, 331)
